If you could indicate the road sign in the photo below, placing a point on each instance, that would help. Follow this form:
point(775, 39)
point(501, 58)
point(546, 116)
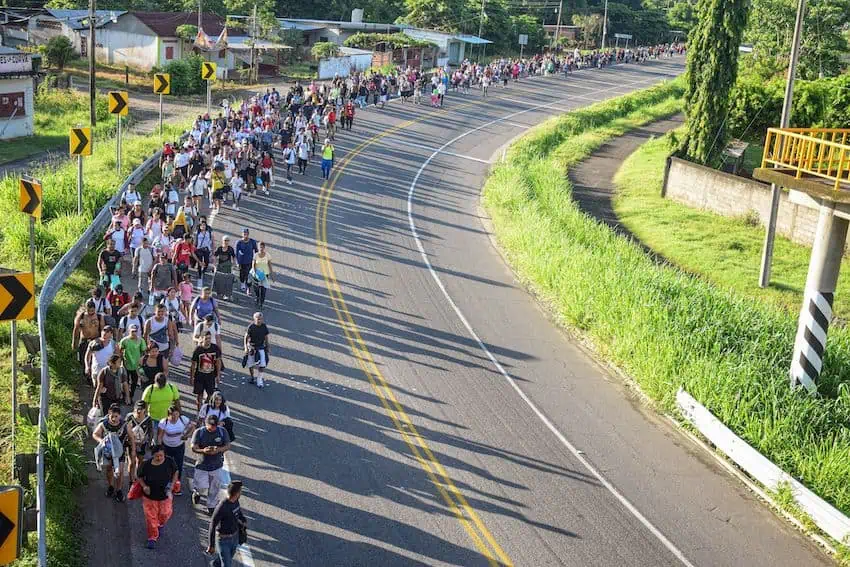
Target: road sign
point(17, 302)
point(523, 39)
point(623, 35)
point(31, 198)
point(81, 141)
point(208, 71)
point(11, 522)
point(119, 103)
point(162, 83)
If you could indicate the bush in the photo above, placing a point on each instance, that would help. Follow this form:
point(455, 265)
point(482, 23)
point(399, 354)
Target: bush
point(324, 49)
point(59, 51)
point(186, 75)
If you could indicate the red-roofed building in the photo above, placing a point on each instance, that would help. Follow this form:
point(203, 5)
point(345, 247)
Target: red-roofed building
point(144, 40)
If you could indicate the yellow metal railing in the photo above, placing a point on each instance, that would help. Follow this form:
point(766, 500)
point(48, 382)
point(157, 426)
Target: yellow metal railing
point(818, 152)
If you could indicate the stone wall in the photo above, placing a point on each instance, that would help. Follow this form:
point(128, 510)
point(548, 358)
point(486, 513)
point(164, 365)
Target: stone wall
point(733, 196)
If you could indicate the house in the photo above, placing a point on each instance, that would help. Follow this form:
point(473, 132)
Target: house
point(145, 40)
point(73, 24)
point(17, 69)
point(567, 33)
point(452, 47)
point(349, 60)
point(314, 31)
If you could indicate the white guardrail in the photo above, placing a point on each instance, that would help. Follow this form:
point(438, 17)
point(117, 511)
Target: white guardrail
point(55, 280)
point(824, 515)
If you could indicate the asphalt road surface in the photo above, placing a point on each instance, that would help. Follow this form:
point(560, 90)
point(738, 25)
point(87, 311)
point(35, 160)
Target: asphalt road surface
point(420, 408)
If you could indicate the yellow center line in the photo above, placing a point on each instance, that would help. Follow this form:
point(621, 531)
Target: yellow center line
point(438, 475)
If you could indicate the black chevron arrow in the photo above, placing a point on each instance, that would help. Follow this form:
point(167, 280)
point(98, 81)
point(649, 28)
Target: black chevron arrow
point(21, 296)
point(34, 200)
point(161, 83)
point(82, 141)
point(120, 103)
point(208, 71)
point(7, 526)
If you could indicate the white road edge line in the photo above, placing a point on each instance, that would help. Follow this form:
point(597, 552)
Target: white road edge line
point(549, 425)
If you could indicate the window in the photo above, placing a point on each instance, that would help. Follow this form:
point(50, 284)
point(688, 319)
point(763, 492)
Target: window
point(10, 101)
point(323, 38)
point(84, 46)
point(169, 52)
point(222, 54)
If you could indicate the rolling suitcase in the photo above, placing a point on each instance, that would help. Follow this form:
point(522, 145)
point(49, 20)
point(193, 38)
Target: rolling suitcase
point(223, 285)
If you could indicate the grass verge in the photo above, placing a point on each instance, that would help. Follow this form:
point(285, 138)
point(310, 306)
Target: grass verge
point(664, 327)
point(58, 229)
point(726, 251)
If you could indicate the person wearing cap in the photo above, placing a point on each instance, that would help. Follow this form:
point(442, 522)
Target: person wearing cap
point(157, 477)
point(141, 427)
point(225, 524)
point(245, 250)
point(327, 158)
point(98, 353)
point(205, 369)
point(112, 437)
point(207, 325)
point(131, 348)
point(210, 442)
point(143, 262)
point(256, 349)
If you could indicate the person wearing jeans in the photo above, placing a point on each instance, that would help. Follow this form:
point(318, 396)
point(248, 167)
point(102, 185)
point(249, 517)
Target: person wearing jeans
point(211, 442)
point(226, 521)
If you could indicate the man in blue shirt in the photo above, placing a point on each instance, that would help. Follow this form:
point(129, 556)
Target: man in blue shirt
point(245, 250)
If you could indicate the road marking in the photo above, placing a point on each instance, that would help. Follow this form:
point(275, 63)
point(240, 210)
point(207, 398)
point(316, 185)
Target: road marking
point(549, 425)
point(432, 148)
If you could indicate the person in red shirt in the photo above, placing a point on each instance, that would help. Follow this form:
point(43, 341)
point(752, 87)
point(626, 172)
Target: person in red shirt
point(117, 298)
point(330, 122)
point(348, 115)
point(184, 252)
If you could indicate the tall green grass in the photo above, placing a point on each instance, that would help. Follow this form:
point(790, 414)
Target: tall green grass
point(664, 327)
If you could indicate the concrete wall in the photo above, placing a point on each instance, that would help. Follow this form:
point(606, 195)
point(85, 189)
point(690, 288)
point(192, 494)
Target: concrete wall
point(20, 125)
point(332, 66)
point(120, 47)
point(733, 196)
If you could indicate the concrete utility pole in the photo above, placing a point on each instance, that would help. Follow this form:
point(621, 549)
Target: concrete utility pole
point(481, 20)
point(605, 24)
point(770, 236)
point(558, 25)
point(199, 15)
point(92, 89)
point(254, 65)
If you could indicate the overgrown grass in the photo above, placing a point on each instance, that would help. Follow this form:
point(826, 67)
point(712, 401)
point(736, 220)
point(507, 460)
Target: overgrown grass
point(727, 251)
point(59, 228)
point(302, 71)
point(663, 326)
point(56, 112)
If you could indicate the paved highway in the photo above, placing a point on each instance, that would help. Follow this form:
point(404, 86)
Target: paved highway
point(421, 409)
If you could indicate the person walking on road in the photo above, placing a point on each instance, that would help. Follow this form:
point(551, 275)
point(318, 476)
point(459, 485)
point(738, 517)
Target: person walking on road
point(205, 369)
point(327, 159)
point(160, 329)
point(226, 525)
point(112, 439)
point(262, 274)
point(141, 426)
point(303, 154)
point(157, 477)
point(160, 396)
point(211, 442)
point(172, 433)
point(98, 353)
point(245, 250)
point(256, 349)
point(132, 347)
point(289, 161)
point(87, 327)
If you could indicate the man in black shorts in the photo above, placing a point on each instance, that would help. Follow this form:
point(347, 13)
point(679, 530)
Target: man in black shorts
point(205, 371)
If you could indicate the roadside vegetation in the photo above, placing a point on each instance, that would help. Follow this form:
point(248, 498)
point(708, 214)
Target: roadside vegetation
point(663, 326)
point(726, 251)
point(59, 228)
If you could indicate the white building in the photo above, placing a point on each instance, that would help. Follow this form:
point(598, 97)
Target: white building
point(452, 46)
point(144, 40)
point(73, 24)
point(314, 31)
point(16, 92)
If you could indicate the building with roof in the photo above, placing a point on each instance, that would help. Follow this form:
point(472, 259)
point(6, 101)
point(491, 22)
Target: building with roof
point(145, 40)
point(73, 24)
point(452, 47)
point(17, 69)
point(314, 31)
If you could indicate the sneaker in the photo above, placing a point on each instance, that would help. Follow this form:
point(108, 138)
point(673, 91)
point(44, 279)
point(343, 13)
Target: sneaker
point(196, 497)
point(266, 192)
point(235, 207)
point(110, 492)
point(210, 511)
point(151, 543)
point(119, 496)
point(177, 493)
point(289, 181)
point(161, 530)
point(260, 382)
point(252, 380)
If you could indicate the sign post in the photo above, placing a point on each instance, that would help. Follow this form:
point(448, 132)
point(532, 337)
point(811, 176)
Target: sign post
point(208, 74)
point(523, 41)
point(81, 145)
point(119, 104)
point(161, 86)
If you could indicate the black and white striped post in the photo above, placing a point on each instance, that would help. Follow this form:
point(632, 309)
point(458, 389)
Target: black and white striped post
point(816, 312)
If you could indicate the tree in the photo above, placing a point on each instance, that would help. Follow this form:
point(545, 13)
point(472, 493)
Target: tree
point(591, 27)
point(711, 71)
point(682, 16)
point(324, 49)
point(58, 51)
point(187, 32)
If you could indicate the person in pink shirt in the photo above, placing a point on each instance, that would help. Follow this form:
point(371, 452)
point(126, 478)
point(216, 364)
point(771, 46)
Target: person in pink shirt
point(186, 290)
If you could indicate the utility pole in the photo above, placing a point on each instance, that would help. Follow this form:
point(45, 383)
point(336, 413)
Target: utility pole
point(481, 21)
point(254, 73)
point(199, 15)
point(92, 90)
point(558, 25)
point(770, 236)
point(605, 25)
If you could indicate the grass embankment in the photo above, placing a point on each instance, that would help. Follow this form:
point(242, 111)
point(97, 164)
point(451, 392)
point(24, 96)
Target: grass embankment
point(56, 112)
point(661, 325)
point(727, 251)
point(59, 228)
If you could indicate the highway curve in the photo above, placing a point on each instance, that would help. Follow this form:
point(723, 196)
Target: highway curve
point(421, 408)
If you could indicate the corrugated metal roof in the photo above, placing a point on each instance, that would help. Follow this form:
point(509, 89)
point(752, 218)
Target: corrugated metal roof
point(243, 42)
point(310, 25)
point(300, 26)
point(165, 24)
point(78, 19)
point(473, 39)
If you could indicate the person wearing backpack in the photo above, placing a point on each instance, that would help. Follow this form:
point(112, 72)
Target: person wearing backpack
point(112, 385)
point(202, 306)
point(172, 433)
point(160, 396)
point(141, 426)
point(289, 160)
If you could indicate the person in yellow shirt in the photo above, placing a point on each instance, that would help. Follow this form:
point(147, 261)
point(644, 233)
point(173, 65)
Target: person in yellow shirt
point(327, 159)
point(218, 182)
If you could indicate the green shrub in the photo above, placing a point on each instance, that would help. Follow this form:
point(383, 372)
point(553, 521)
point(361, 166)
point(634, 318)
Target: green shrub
point(186, 75)
point(324, 49)
point(59, 51)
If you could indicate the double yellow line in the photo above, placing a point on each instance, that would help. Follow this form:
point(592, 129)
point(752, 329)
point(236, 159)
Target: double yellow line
point(478, 532)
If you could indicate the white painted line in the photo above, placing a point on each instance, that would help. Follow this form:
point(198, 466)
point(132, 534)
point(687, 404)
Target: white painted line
point(431, 148)
point(579, 455)
point(243, 554)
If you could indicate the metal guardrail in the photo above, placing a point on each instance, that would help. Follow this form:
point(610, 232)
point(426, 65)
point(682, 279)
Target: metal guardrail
point(816, 152)
point(55, 280)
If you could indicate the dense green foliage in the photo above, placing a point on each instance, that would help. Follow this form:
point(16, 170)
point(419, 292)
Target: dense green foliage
point(187, 32)
point(58, 51)
point(185, 75)
point(324, 49)
point(712, 68)
point(393, 40)
point(664, 327)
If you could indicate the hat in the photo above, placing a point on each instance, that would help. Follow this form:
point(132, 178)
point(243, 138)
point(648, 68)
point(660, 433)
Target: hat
point(137, 221)
point(212, 419)
point(209, 317)
point(244, 231)
point(133, 328)
point(141, 404)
